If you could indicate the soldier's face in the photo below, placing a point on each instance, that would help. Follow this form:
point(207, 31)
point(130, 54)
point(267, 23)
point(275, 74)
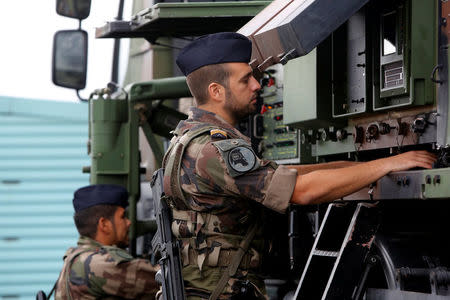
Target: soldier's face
point(242, 91)
point(121, 226)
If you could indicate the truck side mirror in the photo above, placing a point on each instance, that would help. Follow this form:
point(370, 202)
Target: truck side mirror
point(69, 65)
point(77, 9)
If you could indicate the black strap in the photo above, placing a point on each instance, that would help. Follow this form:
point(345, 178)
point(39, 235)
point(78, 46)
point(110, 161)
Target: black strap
point(232, 268)
point(42, 296)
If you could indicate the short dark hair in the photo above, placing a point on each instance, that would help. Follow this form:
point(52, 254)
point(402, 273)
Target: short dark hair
point(86, 220)
point(199, 80)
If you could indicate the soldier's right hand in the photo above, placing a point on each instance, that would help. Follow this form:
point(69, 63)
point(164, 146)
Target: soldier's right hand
point(411, 159)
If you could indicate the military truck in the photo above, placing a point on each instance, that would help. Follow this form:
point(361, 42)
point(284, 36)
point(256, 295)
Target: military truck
point(349, 80)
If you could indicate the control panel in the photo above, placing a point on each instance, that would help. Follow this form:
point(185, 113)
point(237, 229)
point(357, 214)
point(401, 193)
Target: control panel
point(367, 86)
point(279, 142)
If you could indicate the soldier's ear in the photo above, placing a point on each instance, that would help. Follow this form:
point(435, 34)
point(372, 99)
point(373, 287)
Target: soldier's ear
point(104, 226)
point(216, 92)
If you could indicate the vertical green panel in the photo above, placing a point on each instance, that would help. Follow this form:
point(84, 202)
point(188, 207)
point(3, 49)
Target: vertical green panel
point(419, 40)
point(299, 94)
point(108, 141)
point(162, 59)
point(307, 90)
point(423, 49)
point(115, 148)
point(139, 66)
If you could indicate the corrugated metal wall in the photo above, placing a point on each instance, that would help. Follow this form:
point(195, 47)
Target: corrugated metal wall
point(42, 151)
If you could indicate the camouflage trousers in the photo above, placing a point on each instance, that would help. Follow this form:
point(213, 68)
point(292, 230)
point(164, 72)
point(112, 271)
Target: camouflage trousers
point(200, 284)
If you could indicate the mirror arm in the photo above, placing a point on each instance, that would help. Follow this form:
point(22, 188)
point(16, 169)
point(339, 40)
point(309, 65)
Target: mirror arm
point(81, 98)
point(116, 51)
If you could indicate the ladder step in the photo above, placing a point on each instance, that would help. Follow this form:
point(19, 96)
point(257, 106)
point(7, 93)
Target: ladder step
point(349, 229)
point(325, 253)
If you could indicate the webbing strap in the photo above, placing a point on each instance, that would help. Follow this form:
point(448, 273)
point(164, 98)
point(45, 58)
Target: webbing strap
point(67, 270)
point(232, 268)
point(53, 289)
point(173, 167)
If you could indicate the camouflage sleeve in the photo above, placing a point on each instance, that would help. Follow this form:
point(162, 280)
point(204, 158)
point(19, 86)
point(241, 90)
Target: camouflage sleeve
point(126, 278)
point(266, 182)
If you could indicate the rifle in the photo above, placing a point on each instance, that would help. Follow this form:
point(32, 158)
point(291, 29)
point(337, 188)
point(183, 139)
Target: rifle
point(164, 245)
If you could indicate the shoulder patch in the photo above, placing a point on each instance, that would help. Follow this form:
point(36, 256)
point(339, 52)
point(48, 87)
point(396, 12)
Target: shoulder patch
point(218, 134)
point(118, 255)
point(241, 159)
point(238, 156)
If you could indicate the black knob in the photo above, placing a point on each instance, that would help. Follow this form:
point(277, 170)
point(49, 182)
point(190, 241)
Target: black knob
point(326, 135)
point(341, 134)
point(306, 138)
point(372, 132)
point(358, 135)
point(385, 128)
point(419, 125)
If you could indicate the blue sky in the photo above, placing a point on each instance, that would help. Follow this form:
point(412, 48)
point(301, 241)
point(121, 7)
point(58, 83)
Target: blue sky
point(27, 29)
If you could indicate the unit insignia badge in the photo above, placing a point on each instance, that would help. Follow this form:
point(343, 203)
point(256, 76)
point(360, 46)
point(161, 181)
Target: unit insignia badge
point(241, 159)
point(217, 133)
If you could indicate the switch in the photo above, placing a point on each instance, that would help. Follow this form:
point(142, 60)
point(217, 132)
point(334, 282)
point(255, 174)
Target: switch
point(372, 132)
point(358, 135)
point(385, 128)
point(341, 134)
point(327, 135)
point(419, 125)
point(278, 118)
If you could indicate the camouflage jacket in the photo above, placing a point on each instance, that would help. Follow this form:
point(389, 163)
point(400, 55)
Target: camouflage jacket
point(94, 271)
point(224, 184)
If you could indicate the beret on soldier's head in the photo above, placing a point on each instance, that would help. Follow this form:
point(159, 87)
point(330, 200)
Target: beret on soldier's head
point(99, 194)
point(217, 48)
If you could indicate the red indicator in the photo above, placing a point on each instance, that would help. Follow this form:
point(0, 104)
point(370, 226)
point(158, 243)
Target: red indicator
point(263, 109)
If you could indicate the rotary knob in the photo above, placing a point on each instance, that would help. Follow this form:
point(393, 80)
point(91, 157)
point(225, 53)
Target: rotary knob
point(419, 125)
point(327, 135)
point(372, 132)
point(385, 128)
point(341, 134)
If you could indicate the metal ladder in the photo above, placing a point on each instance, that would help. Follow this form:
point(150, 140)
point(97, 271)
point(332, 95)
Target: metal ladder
point(335, 266)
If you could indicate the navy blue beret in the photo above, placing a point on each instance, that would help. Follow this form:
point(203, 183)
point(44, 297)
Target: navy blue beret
point(217, 48)
point(99, 194)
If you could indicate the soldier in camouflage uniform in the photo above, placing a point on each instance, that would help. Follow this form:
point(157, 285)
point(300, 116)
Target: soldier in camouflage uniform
point(98, 267)
point(217, 187)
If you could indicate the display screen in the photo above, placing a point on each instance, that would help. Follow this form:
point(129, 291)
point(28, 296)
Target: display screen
point(389, 27)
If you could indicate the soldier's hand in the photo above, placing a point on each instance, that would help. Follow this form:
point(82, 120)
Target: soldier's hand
point(411, 159)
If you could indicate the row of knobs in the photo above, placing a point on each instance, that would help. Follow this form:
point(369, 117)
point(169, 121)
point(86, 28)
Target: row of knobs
point(360, 135)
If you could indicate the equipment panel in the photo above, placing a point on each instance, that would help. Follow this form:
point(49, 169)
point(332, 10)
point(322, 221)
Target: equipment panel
point(279, 142)
point(367, 87)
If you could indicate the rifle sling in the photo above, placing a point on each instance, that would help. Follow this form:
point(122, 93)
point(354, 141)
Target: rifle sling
point(232, 268)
